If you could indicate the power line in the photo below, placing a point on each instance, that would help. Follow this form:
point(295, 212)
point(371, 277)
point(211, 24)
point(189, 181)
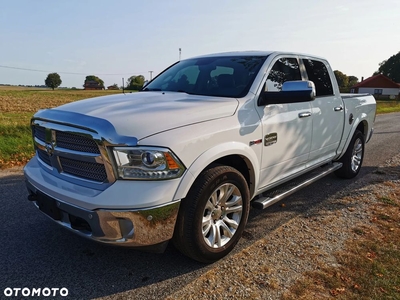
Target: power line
point(70, 73)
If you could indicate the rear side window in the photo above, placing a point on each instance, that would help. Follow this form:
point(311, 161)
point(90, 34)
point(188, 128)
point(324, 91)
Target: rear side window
point(284, 69)
point(318, 73)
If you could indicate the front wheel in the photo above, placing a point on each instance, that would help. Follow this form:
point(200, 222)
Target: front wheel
point(353, 158)
point(213, 215)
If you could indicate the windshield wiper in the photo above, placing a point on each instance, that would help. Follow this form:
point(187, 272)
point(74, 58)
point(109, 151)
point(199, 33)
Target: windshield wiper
point(182, 91)
point(150, 90)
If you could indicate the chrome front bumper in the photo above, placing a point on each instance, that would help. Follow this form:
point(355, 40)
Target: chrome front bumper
point(133, 228)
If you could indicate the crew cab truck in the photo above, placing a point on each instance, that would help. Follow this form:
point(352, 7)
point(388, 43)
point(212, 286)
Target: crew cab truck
point(184, 158)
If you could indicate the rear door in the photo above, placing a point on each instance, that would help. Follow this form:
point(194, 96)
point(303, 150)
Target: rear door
point(327, 112)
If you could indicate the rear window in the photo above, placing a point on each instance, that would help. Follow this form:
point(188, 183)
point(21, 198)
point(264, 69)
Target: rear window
point(318, 73)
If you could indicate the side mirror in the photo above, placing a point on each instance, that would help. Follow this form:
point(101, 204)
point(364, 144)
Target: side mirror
point(292, 92)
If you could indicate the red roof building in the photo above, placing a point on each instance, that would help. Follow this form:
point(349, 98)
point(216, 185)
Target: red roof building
point(377, 85)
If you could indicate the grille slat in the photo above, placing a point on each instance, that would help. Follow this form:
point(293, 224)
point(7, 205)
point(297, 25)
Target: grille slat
point(76, 142)
point(44, 156)
point(40, 133)
point(83, 169)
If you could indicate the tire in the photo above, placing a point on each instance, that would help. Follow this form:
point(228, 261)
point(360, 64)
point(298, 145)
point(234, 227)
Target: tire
point(212, 217)
point(353, 158)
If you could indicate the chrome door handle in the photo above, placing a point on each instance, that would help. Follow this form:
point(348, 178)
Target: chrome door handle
point(338, 108)
point(304, 115)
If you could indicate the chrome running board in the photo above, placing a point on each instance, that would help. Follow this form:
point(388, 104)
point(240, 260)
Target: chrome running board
point(272, 196)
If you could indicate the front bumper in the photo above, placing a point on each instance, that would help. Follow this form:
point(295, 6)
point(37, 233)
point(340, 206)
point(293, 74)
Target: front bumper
point(134, 228)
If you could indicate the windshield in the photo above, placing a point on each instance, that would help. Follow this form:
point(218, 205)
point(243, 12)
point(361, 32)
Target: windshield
point(227, 76)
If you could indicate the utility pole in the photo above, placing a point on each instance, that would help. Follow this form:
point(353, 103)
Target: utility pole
point(180, 52)
point(151, 74)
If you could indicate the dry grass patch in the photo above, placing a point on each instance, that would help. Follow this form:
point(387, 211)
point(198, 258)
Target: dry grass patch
point(369, 267)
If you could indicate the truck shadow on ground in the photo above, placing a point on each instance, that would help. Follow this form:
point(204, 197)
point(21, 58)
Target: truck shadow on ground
point(37, 253)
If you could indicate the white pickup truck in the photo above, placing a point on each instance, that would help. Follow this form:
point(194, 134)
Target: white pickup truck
point(185, 157)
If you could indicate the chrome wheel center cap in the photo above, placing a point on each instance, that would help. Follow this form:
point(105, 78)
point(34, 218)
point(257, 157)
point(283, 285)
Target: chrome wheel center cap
point(217, 213)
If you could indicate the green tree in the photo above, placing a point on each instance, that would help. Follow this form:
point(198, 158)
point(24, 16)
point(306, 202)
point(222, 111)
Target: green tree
point(95, 78)
point(353, 80)
point(53, 80)
point(135, 82)
point(391, 67)
point(342, 79)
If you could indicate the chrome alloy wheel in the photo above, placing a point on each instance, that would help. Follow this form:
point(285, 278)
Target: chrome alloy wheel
point(356, 155)
point(222, 215)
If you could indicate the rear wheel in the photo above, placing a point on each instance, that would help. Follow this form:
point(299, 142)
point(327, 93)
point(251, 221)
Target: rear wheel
point(213, 215)
point(353, 158)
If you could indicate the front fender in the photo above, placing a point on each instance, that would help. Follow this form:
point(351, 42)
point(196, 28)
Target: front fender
point(215, 153)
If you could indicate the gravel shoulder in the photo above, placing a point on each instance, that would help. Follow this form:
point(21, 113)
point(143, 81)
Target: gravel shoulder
point(269, 267)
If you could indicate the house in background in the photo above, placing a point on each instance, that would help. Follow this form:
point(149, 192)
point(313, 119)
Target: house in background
point(378, 85)
point(113, 87)
point(92, 85)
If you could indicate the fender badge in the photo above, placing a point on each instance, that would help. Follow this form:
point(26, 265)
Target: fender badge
point(255, 142)
point(270, 139)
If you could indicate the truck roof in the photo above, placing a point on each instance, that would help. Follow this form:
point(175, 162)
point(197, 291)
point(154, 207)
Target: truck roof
point(255, 53)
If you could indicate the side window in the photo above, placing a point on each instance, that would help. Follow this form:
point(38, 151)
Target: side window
point(284, 69)
point(318, 73)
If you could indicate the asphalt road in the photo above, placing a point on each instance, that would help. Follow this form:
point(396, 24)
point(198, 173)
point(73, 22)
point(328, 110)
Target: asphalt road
point(37, 253)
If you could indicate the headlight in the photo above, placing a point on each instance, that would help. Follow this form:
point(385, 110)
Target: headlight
point(147, 163)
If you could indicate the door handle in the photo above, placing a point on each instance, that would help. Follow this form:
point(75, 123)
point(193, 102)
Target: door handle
point(338, 108)
point(304, 115)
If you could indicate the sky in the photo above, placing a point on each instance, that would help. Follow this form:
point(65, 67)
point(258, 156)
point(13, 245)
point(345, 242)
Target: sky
point(118, 39)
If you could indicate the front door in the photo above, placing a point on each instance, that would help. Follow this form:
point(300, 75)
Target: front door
point(287, 128)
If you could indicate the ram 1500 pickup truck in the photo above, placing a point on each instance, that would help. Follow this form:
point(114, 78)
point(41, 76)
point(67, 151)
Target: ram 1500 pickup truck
point(184, 158)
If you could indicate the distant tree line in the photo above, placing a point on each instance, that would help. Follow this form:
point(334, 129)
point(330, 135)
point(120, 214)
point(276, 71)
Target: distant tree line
point(135, 82)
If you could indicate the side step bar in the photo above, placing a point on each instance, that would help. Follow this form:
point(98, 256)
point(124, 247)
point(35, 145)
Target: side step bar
point(271, 197)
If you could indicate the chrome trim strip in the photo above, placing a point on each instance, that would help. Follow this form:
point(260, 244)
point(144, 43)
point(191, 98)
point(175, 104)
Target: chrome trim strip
point(289, 178)
point(264, 202)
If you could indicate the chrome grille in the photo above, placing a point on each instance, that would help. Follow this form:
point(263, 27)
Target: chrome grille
point(70, 153)
point(76, 142)
point(83, 169)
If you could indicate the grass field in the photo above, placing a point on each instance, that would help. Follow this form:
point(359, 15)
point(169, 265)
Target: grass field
point(18, 104)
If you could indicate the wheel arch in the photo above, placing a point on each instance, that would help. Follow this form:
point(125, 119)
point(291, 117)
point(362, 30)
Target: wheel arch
point(363, 127)
point(233, 154)
point(360, 124)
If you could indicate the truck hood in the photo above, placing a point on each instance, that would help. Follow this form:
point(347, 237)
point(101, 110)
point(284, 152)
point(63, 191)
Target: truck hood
point(146, 113)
